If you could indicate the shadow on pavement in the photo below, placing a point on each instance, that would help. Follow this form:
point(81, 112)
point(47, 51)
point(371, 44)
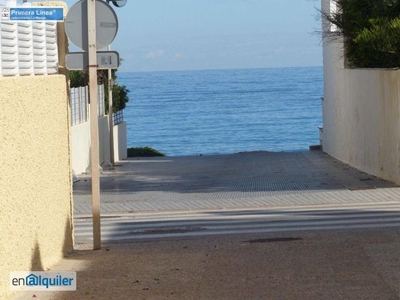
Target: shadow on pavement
point(319, 265)
point(253, 172)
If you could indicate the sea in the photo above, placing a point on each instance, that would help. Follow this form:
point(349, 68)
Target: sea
point(184, 113)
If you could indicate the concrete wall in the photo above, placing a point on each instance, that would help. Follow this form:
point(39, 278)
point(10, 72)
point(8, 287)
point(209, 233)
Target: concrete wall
point(120, 142)
point(80, 144)
point(80, 141)
point(361, 115)
point(80, 147)
point(35, 176)
point(104, 140)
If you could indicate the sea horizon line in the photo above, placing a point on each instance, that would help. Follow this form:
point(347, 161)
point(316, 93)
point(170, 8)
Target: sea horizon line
point(218, 69)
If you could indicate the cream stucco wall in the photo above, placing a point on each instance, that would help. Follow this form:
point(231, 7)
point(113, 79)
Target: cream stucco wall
point(35, 176)
point(361, 114)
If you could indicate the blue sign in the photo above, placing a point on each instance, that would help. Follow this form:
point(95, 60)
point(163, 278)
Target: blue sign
point(36, 13)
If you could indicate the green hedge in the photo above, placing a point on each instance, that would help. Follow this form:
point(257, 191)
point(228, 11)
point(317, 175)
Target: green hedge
point(371, 31)
point(143, 152)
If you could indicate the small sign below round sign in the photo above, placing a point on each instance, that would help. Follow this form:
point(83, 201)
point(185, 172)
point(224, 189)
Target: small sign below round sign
point(76, 26)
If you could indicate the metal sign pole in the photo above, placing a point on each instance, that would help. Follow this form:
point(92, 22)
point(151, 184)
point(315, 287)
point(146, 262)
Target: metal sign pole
point(94, 127)
point(110, 113)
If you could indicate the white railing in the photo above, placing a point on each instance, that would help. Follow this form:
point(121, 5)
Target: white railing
point(79, 105)
point(79, 98)
point(118, 117)
point(101, 107)
point(28, 48)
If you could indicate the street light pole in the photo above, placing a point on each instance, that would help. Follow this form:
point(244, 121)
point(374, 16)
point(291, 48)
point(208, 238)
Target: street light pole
point(94, 123)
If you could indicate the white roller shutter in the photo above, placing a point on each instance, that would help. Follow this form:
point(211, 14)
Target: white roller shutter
point(28, 48)
point(9, 49)
point(25, 48)
point(51, 48)
point(39, 48)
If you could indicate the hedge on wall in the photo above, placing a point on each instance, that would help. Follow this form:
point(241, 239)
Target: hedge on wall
point(371, 32)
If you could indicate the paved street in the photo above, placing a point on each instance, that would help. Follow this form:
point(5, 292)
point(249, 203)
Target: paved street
point(143, 227)
point(244, 226)
point(313, 265)
point(258, 192)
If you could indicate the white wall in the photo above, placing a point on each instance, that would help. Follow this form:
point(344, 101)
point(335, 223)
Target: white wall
point(361, 115)
point(104, 139)
point(80, 147)
point(80, 142)
point(120, 142)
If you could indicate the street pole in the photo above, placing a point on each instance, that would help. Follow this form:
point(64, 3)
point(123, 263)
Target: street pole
point(110, 113)
point(94, 126)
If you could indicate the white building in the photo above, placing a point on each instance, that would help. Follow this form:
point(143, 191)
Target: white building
point(361, 114)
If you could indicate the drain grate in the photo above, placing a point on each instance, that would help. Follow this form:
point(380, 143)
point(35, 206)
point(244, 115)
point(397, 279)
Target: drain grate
point(273, 240)
point(361, 188)
point(173, 229)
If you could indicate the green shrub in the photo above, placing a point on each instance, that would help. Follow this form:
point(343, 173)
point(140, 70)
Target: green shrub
point(143, 152)
point(370, 31)
point(119, 92)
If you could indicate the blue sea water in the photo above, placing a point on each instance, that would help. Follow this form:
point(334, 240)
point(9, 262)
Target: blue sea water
point(224, 111)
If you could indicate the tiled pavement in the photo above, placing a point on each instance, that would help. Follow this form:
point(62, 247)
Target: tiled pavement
point(243, 180)
point(262, 261)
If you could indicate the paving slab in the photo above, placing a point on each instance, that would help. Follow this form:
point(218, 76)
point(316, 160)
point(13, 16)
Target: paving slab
point(251, 179)
point(331, 265)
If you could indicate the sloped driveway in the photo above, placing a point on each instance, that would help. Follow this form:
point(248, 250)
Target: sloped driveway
point(251, 179)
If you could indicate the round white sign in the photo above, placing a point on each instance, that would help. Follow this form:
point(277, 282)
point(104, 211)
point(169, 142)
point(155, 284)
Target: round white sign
point(118, 3)
point(76, 26)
